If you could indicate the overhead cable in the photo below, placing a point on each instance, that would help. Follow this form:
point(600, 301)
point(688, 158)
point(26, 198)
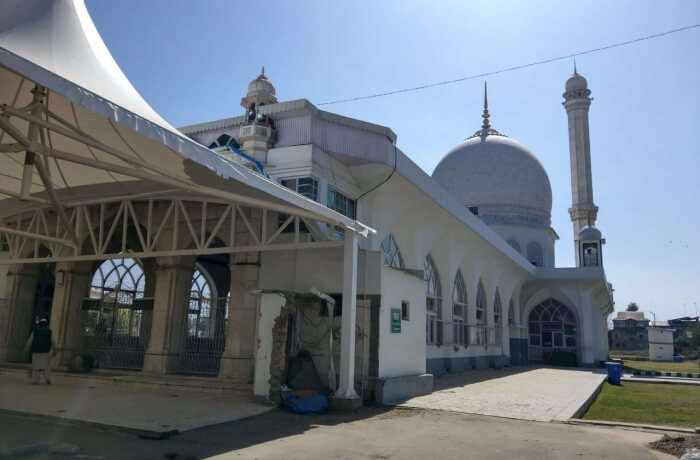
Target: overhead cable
point(510, 69)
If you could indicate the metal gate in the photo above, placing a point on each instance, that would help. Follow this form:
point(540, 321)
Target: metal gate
point(204, 336)
point(115, 332)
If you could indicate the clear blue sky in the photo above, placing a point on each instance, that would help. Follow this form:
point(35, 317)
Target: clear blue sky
point(193, 60)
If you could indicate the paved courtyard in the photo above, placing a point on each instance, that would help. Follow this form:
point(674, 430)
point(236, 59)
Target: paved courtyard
point(141, 409)
point(527, 393)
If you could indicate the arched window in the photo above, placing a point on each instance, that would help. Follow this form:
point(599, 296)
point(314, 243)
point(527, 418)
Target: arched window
point(223, 141)
point(459, 308)
point(433, 303)
point(551, 327)
point(392, 255)
point(511, 313)
point(199, 314)
point(115, 285)
point(590, 255)
point(480, 330)
point(497, 319)
point(534, 254)
point(514, 244)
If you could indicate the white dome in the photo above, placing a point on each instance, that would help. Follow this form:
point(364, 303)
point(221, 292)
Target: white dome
point(500, 176)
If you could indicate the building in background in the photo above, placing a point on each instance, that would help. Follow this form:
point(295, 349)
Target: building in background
point(661, 342)
point(629, 331)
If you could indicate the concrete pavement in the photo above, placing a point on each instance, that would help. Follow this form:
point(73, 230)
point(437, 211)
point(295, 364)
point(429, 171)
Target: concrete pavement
point(527, 393)
point(370, 433)
point(159, 410)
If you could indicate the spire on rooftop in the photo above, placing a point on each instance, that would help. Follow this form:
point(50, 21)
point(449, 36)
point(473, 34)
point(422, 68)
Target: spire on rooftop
point(485, 126)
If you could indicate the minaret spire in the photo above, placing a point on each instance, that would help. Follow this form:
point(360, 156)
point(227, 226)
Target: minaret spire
point(583, 211)
point(485, 126)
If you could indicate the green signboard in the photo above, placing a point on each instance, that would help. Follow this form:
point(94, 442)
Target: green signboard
point(396, 320)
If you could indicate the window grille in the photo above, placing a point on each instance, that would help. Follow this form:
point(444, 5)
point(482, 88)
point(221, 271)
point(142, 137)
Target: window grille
point(497, 319)
point(459, 308)
point(480, 333)
point(433, 303)
point(392, 255)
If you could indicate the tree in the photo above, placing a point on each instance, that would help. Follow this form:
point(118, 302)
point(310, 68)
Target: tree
point(633, 306)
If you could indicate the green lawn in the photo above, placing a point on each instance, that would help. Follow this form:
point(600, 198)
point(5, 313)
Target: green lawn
point(630, 354)
point(662, 366)
point(655, 404)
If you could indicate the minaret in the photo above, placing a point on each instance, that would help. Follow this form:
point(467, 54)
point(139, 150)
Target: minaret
point(258, 134)
point(577, 101)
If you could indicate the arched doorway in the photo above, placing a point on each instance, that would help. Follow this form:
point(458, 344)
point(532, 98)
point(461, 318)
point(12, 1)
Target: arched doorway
point(113, 321)
point(552, 333)
point(204, 333)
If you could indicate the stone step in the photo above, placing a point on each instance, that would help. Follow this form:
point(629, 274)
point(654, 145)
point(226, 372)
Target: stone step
point(135, 379)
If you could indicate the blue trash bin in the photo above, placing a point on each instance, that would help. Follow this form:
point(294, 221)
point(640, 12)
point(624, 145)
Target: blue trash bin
point(614, 372)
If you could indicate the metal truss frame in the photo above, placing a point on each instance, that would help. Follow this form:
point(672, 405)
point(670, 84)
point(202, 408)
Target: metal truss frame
point(187, 226)
point(62, 232)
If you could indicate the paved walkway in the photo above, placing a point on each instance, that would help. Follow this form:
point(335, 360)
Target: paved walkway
point(143, 409)
point(526, 393)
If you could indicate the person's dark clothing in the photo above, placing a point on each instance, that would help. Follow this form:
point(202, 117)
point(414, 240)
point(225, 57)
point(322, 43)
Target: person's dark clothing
point(41, 342)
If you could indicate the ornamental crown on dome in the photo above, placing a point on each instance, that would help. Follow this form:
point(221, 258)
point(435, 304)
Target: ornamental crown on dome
point(261, 91)
point(486, 129)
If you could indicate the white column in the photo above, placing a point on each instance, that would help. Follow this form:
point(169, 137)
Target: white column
point(346, 389)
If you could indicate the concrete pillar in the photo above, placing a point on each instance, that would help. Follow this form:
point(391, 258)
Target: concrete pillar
point(238, 359)
point(171, 295)
point(16, 309)
point(72, 286)
point(346, 389)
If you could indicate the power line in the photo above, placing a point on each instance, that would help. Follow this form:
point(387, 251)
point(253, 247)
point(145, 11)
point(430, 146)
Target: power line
point(510, 69)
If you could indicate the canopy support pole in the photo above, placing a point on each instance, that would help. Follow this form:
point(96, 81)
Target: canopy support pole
point(346, 389)
point(34, 135)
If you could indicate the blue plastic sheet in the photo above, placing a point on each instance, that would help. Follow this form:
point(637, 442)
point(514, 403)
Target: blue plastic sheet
point(316, 404)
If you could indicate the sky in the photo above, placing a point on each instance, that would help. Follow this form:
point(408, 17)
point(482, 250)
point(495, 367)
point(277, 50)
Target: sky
point(192, 61)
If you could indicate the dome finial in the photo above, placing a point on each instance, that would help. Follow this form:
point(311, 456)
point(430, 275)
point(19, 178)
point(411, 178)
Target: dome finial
point(262, 72)
point(485, 126)
point(575, 73)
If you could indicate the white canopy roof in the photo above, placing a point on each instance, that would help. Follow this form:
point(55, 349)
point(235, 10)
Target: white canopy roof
point(99, 137)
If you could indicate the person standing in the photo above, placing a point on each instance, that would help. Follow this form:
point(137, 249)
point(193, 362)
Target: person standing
point(43, 348)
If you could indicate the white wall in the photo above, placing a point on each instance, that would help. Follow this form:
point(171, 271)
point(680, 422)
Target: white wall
point(268, 311)
point(401, 353)
point(660, 344)
point(300, 270)
point(524, 235)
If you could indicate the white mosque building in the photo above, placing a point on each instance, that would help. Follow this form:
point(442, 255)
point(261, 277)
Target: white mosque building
point(225, 249)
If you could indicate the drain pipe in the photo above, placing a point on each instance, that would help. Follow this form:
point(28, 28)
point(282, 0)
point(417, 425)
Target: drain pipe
point(249, 158)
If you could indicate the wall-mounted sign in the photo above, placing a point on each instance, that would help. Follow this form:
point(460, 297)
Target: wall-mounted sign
point(396, 320)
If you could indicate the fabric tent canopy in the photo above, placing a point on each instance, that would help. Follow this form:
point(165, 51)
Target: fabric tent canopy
point(64, 98)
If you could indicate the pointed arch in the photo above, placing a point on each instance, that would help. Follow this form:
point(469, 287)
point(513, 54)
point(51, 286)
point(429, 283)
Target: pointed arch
point(202, 296)
point(534, 254)
point(511, 313)
point(116, 284)
point(497, 319)
point(480, 329)
point(224, 141)
point(392, 254)
point(552, 328)
point(433, 302)
point(459, 308)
